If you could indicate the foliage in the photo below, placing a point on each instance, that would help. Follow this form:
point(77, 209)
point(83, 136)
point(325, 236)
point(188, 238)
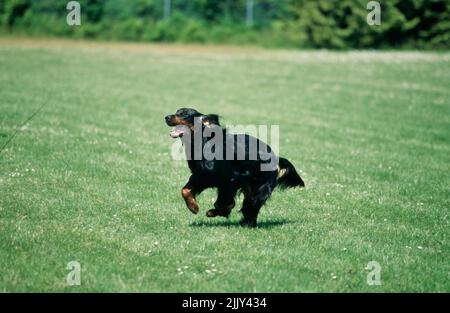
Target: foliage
point(290, 23)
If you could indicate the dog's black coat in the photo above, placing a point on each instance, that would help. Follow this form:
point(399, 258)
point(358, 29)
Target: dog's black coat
point(240, 174)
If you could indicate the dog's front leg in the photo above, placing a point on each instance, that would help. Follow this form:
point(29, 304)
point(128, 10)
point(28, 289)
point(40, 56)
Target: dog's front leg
point(224, 203)
point(189, 191)
point(189, 198)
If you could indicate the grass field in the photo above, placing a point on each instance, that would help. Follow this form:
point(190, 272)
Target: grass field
point(90, 178)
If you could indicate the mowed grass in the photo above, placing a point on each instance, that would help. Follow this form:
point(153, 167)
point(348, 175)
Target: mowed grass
point(91, 179)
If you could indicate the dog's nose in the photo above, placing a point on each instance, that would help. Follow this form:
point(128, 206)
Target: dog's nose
point(167, 118)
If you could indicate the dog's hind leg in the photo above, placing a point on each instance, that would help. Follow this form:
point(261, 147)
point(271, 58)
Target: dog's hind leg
point(253, 201)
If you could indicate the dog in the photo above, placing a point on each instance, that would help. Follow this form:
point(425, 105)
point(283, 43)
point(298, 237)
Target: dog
point(234, 164)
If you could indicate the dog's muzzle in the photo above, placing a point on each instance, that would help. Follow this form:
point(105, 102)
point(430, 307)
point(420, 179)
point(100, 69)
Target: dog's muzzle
point(178, 131)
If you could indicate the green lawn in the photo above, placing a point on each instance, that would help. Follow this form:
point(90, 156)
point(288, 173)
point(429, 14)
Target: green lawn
point(90, 178)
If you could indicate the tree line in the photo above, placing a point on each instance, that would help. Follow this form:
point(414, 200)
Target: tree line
point(331, 24)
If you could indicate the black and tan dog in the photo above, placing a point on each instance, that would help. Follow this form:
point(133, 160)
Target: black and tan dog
point(247, 165)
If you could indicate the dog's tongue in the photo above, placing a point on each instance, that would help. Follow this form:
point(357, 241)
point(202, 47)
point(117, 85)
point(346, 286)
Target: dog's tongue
point(177, 131)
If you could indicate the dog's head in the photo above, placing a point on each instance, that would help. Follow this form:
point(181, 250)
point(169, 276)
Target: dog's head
point(185, 119)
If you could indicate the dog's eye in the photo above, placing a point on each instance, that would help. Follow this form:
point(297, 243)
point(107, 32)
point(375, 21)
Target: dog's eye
point(181, 112)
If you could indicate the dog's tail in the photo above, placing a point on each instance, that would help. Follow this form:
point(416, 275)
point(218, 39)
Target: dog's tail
point(287, 175)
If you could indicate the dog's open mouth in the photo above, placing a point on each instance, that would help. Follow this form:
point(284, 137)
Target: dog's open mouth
point(178, 131)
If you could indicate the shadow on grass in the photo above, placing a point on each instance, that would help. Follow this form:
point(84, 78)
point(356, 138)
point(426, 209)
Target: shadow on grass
point(228, 223)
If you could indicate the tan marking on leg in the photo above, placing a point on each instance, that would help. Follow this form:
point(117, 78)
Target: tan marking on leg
point(190, 200)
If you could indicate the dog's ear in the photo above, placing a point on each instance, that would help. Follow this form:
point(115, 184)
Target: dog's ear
point(211, 119)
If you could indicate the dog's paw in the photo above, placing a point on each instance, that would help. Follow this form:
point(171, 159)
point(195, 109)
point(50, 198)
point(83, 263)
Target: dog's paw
point(217, 212)
point(248, 223)
point(193, 207)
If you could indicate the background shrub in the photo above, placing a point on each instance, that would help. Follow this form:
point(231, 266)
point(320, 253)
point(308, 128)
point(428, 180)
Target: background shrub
point(333, 24)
